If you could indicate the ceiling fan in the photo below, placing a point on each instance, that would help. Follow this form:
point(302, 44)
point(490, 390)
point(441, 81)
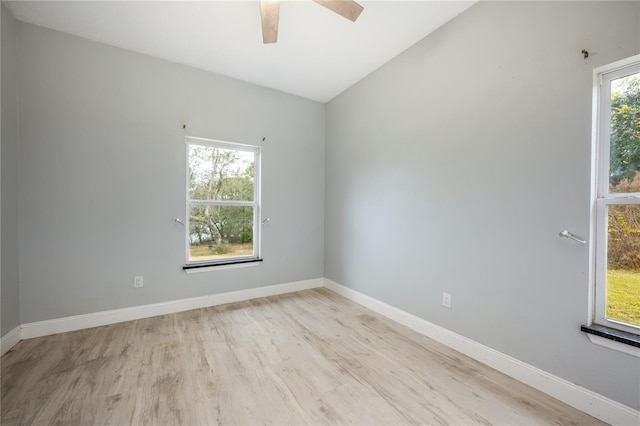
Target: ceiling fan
point(270, 13)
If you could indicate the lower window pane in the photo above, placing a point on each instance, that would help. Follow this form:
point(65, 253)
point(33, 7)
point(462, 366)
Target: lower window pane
point(623, 264)
point(220, 232)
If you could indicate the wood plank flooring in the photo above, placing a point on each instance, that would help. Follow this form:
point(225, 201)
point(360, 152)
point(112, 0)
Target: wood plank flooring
point(311, 357)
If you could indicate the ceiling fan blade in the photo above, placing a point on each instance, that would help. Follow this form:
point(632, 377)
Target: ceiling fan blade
point(346, 8)
point(270, 14)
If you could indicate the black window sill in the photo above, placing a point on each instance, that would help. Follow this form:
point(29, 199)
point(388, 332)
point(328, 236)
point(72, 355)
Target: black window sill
point(210, 265)
point(612, 334)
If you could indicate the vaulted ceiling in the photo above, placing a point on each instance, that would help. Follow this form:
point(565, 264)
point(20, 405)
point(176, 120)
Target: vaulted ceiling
point(318, 55)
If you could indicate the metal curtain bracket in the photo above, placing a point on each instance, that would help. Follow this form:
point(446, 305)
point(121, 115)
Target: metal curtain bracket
point(571, 236)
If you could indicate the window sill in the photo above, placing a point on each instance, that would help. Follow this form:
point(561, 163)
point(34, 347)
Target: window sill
point(230, 264)
point(614, 339)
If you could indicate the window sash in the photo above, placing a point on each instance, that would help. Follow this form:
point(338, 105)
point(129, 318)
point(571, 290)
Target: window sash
point(223, 203)
point(604, 80)
point(602, 238)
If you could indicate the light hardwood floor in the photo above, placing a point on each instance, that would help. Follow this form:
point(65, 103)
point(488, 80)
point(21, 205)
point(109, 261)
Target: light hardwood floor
point(304, 358)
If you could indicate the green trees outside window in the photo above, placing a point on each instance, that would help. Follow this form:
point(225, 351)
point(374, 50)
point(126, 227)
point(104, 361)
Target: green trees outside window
point(221, 200)
point(623, 232)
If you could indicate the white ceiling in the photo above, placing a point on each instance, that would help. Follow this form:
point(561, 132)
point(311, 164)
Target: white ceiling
point(319, 54)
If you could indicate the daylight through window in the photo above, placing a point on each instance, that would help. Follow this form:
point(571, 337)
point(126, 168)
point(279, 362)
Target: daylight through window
point(617, 203)
point(222, 202)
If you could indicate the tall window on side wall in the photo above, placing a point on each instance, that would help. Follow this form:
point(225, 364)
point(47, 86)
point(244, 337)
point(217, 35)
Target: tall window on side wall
point(223, 209)
point(617, 200)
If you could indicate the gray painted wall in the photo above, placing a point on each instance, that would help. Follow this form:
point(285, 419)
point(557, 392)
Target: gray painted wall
point(9, 318)
point(474, 143)
point(453, 168)
point(102, 176)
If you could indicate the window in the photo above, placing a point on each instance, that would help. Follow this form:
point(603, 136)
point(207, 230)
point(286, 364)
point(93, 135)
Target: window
point(617, 196)
point(223, 209)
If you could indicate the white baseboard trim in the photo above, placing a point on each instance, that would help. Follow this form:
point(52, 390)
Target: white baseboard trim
point(10, 339)
point(583, 399)
point(79, 322)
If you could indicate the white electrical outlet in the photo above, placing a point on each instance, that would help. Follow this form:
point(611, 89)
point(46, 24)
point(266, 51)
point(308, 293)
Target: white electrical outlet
point(138, 281)
point(446, 300)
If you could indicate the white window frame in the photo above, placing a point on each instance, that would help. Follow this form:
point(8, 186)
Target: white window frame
point(602, 198)
point(231, 260)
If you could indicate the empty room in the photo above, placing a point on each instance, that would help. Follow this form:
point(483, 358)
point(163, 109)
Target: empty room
point(320, 212)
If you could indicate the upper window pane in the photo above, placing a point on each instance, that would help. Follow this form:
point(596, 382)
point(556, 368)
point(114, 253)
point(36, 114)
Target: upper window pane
point(625, 132)
point(220, 174)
